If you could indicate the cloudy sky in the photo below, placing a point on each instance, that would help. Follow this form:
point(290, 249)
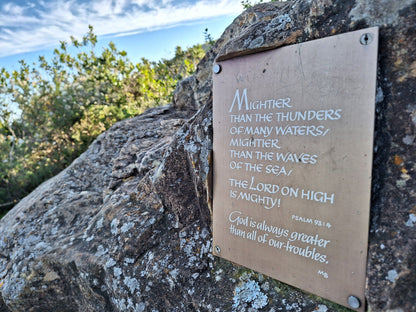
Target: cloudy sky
point(32, 25)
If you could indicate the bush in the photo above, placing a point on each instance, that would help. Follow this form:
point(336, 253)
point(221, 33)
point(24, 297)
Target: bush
point(65, 103)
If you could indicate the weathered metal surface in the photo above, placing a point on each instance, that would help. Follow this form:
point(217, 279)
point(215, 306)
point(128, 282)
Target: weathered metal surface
point(293, 139)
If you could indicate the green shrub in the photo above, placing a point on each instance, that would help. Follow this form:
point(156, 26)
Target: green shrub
point(65, 103)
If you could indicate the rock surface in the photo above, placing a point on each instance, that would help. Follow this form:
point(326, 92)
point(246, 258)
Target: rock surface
point(127, 226)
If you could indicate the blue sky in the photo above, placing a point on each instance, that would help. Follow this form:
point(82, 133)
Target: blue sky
point(144, 28)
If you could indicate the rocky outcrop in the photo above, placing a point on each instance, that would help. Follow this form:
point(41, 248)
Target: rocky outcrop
point(127, 227)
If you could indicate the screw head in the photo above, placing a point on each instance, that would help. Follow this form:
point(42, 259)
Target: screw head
point(366, 38)
point(216, 68)
point(354, 302)
point(217, 249)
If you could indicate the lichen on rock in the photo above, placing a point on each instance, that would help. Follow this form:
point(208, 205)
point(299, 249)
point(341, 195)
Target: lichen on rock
point(248, 295)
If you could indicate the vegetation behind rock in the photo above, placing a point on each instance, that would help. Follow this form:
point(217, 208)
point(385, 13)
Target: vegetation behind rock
point(50, 112)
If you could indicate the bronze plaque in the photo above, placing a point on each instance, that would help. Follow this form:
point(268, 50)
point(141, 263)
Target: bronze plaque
point(293, 145)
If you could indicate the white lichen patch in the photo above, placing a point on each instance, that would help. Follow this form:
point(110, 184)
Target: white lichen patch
point(127, 226)
point(412, 220)
point(408, 139)
point(392, 276)
point(293, 307)
point(218, 275)
point(174, 273)
point(322, 308)
point(379, 95)
point(128, 305)
point(280, 22)
point(205, 249)
point(101, 251)
point(401, 183)
point(204, 233)
point(265, 286)
point(117, 272)
point(131, 283)
point(128, 261)
point(196, 245)
point(88, 239)
point(110, 263)
point(100, 223)
point(114, 226)
point(249, 295)
point(171, 282)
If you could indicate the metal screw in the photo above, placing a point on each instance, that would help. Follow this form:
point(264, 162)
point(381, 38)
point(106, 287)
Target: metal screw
point(217, 249)
point(354, 302)
point(217, 68)
point(366, 38)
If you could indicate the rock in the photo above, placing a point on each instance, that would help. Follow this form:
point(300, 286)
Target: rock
point(127, 226)
point(184, 95)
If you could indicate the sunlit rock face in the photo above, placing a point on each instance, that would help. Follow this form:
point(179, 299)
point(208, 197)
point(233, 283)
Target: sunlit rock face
point(127, 226)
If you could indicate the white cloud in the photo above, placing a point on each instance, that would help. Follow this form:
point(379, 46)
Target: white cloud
point(11, 8)
point(38, 25)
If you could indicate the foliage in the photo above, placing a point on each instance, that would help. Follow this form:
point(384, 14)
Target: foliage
point(208, 38)
point(247, 3)
point(63, 104)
